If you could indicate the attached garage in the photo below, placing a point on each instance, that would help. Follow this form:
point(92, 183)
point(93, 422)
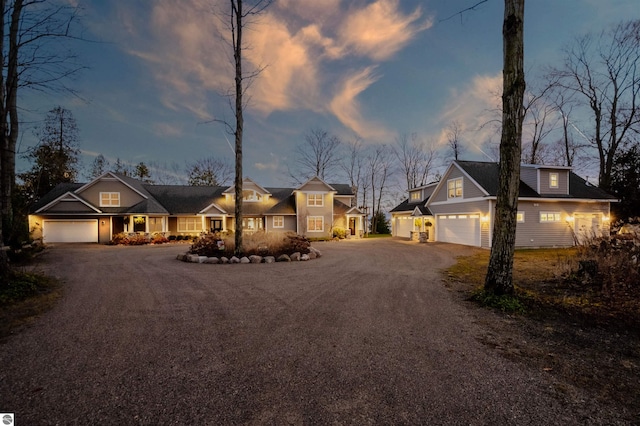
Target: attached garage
point(459, 229)
point(70, 231)
point(403, 226)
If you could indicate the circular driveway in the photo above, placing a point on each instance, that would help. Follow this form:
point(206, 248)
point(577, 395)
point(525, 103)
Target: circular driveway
point(367, 334)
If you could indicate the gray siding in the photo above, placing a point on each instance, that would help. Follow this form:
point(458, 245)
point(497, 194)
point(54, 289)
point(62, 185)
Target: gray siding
point(469, 188)
point(563, 182)
point(128, 197)
point(471, 207)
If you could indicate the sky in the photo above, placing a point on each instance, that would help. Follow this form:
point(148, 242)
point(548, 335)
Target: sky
point(158, 72)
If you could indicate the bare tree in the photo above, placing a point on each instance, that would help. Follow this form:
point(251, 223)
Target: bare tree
point(454, 142)
point(99, 166)
point(32, 57)
point(380, 169)
point(352, 165)
point(318, 156)
point(415, 159)
point(209, 171)
point(601, 71)
point(540, 121)
point(499, 278)
point(239, 17)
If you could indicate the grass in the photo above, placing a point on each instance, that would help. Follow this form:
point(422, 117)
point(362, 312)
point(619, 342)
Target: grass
point(377, 236)
point(23, 297)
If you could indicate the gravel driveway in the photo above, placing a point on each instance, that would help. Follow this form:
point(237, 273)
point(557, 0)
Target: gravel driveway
point(367, 334)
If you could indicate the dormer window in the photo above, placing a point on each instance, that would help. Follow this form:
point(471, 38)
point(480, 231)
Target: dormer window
point(454, 188)
point(251, 195)
point(415, 196)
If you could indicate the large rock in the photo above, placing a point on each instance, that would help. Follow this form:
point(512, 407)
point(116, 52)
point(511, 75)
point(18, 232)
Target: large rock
point(312, 255)
point(244, 259)
point(224, 260)
point(193, 258)
point(283, 258)
point(182, 257)
point(234, 259)
point(213, 260)
point(269, 259)
point(295, 257)
point(254, 258)
point(316, 251)
point(304, 257)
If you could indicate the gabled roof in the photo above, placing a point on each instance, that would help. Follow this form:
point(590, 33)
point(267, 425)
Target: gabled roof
point(135, 184)
point(184, 199)
point(342, 188)
point(231, 189)
point(58, 191)
point(316, 178)
point(68, 196)
point(487, 176)
point(409, 206)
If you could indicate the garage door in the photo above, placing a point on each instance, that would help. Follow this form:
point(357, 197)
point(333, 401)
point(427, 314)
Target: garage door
point(459, 229)
point(404, 226)
point(70, 231)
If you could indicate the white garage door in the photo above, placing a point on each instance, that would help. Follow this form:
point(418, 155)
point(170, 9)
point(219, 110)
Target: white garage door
point(70, 231)
point(459, 229)
point(404, 226)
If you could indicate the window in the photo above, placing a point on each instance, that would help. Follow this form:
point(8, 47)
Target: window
point(315, 223)
point(155, 224)
point(520, 217)
point(454, 188)
point(278, 221)
point(315, 200)
point(109, 199)
point(189, 224)
point(553, 180)
point(415, 196)
point(546, 217)
point(250, 195)
point(252, 223)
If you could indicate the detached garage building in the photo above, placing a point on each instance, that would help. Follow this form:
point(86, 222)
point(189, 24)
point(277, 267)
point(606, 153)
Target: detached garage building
point(556, 208)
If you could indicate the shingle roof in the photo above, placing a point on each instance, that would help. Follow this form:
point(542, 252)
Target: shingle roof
point(57, 191)
point(407, 206)
point(342, 188)
point(184, 199)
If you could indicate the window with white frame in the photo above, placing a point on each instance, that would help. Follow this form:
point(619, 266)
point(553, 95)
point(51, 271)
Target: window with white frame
point(315, 223)
point(278, 221)
point(415, 196)
point(316, 200)
point(520, 217)
point(109, 199)
point(546, 217)
point(251, 195)
point(189, 224)
point(454, 188)
point(553, 180)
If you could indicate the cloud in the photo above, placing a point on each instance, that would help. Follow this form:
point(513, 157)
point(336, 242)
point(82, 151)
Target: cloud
point(476, 108)
point(300, 48)
point(165, 129)
point(274, 165)
point(346, 107)
point(381, 29)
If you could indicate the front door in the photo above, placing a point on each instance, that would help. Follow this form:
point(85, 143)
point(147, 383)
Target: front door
point(216, 225)
point(352, 225)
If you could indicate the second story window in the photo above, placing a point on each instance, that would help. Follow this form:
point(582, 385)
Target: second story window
point(415, 196)
point(553, 180)
point(251, 195)
point(315, 200)
point(109, 199)
point(454, 188)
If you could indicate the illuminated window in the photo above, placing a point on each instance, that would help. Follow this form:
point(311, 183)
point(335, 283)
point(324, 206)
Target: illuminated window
point(546, 217)
point(278, 221)
point(415, 196)
point(553, 180)
point(189, 224)
point(109, 199)
point(315, 223)
point(315, 200)
point(454, 188)
point(250, 195)
point(520, 217)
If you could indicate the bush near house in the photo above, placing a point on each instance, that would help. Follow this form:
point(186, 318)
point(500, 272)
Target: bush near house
point(259, 243)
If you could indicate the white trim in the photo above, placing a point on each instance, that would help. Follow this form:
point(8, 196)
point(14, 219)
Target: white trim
point(60, 199)
point(113, 176)
point(220, 209)
point(315, 194)
point(110, 194)
point(273, 222)
point(315, 218)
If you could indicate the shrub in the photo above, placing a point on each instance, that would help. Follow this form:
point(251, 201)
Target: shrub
point(159, 239)
point(260, 243)
point(506, 303)
point(340, 233)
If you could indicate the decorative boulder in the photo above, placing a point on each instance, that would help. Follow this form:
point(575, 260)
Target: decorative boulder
point(193, 258)
point(269, 259)
point(283, 258)
point(295, 257)
point(213, 260)
point(312, 255)
point(316, 251)
point(234, 259)
point(182, 257)
point(224, 260)
point(304, 257)
point(244, 259)
point(254, 258)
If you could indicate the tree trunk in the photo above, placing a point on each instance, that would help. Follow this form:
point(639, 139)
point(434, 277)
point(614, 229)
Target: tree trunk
point(499, 279)
point(237, 55)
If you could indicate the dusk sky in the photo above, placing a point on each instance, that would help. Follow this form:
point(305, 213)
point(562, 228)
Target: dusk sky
point(371, 69)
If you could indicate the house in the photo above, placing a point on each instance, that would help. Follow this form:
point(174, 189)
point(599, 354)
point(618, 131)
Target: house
point(113, 203)
point(556, 207)
point(412, 217)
